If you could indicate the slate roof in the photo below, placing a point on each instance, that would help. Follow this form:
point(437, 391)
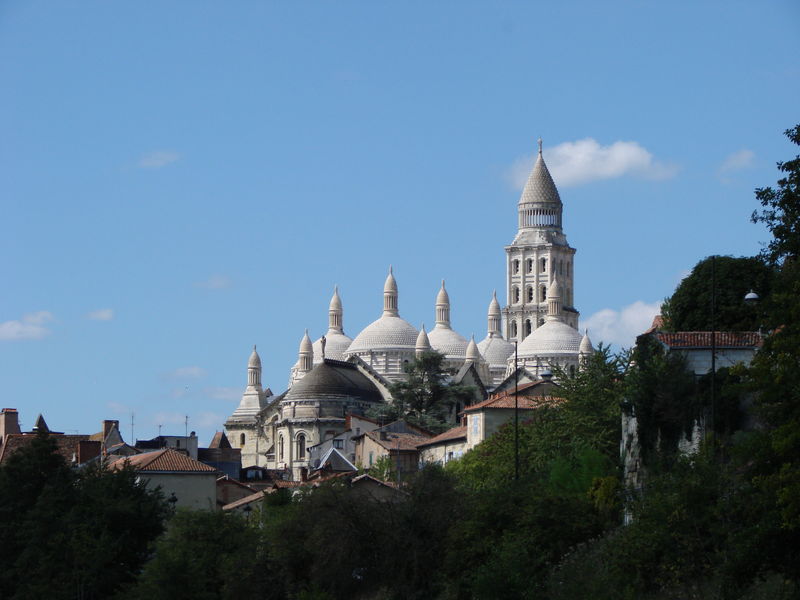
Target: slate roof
point(334, 379)
point(166, 460)
point(702, 339)
point(455, 433)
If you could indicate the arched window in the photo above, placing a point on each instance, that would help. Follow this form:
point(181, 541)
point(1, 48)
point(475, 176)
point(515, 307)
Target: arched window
point(241, 440)
point(541, 322)
point(515, 267)
point(513, 329)
point(515, 295)
point(530, 265)
point(544, 264)
point(527, 327)
point(280, 447)
point(301, 447)
point(530, 294)
point(543, 293)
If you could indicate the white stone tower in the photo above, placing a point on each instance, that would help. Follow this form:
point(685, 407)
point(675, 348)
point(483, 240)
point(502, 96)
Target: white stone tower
point(538, 254)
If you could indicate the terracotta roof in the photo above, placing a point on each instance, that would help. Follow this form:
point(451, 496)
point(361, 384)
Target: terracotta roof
point(507, 401)
point(257, 497)
point(702, 339)
point(66, 445)
point(451, 434)
point(163, 460)
point(286, 484)
point(230, 480)
point(220, 440)
point(406, 442)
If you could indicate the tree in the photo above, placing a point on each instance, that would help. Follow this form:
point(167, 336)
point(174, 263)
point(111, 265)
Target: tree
point(207, 555)
point(689, 307)
point(72, 533)
point(427, 397)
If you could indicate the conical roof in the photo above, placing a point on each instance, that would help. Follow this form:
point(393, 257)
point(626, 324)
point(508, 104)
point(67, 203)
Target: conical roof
point(442, 297)
point(586, 344)
point(336, 301)
point(255, 359)
point(423, 343)
point(540, 187)
point(305, 344)
point(494, 306)
point(472, 350)
point(390, 285)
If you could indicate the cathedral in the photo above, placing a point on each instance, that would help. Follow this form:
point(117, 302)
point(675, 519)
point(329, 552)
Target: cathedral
point(337, 375)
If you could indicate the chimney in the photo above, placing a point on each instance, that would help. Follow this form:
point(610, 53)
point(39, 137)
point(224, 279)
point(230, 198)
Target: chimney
point(9, 423)
point(108, 426)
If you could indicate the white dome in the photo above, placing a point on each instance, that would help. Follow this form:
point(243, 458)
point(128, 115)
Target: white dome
point(336, 344)
point(255, 360)
point(386, 333)
point(448, 342)
point(496, 350)
point(552, 338)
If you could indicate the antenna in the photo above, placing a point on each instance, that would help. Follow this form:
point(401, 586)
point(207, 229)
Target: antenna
point(133, 439)
point(186, 425)
point(159, 431)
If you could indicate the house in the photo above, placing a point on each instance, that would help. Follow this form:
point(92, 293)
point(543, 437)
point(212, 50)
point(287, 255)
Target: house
point(444, 447)
point(182, 443)
point(192, 483)
point(397, 440)
point(230, 490)
point(343, 442)
point(222, 456)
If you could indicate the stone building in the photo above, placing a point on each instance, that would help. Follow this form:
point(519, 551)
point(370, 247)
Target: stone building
point(539, 317)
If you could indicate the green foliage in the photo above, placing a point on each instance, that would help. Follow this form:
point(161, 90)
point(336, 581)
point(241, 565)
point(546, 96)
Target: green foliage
point(689, 308)
point(206, 555)
point(88, 530)
point(384, 469)
point(662, 391)
point(427, 397)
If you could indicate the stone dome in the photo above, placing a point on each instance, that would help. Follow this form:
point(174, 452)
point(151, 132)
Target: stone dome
point(540, 187)
point(388, 332)
point(334, 380)
point(586, 345)
point(336, 344)
point(553, 338)
point(496, 350)
point(447, 341)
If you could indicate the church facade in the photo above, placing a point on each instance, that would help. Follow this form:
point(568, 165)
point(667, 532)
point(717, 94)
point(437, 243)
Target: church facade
point(336, 375)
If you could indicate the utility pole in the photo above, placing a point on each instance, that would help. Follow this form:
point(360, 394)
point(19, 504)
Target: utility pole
point(713, 347)
point(516, 413)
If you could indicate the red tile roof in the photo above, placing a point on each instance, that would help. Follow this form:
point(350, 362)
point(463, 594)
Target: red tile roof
point(257, 497)
point(702, 339)
point(163, 460)
point(406, 442)
point(507, 401)
point(66, 445)
point(451, 434)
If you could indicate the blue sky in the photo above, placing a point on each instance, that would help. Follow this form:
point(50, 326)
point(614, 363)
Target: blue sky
point(181, 180)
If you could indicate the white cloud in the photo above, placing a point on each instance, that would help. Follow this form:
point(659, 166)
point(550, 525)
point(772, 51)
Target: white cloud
point(215, 282)
point(743, 159)
point(621, 327)
point(30, 327)
point(583, 161)
point(168, 418)
point(158, 159)
point(223, 393)
point(207, 419)
point(193, 372)
point(102, 314)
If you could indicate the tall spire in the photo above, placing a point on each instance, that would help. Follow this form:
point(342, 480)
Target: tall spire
point(423, 343)
point(390, 295)
point(306, 354)
point(335, 312)
point(540, 203)
point(254, 369)
point(443, 308)
point(494, 315)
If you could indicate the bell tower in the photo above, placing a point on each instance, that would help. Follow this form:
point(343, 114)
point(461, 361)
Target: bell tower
point(538, 255)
